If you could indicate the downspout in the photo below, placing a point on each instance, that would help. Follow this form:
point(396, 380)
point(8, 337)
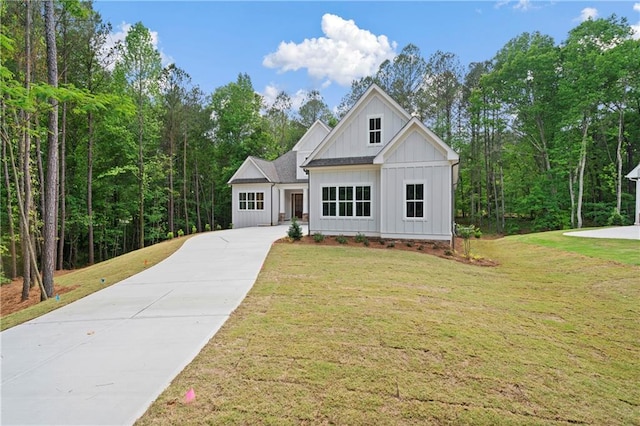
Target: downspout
point(453, 208)
point(308, 201)
point(272, 185)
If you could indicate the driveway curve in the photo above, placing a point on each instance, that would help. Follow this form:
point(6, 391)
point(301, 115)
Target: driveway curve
point(104, 359)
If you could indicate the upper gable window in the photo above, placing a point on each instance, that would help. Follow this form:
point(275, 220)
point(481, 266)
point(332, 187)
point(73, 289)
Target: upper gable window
point(375, 129)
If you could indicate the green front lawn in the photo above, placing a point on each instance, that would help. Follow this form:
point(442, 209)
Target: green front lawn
point(348, 335)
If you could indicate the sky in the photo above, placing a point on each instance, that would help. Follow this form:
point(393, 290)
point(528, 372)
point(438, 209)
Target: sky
point(301, 46)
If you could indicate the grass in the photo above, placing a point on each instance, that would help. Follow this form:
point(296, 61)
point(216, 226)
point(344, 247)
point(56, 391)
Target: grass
point(624, 251)
point(547, 337)
point(89, 280)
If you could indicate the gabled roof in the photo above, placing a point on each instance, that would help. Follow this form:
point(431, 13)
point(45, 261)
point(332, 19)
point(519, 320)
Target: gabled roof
point(318, 125)
point(416, 124)
point(280, 170)
point(634, 174)
point(373, 90)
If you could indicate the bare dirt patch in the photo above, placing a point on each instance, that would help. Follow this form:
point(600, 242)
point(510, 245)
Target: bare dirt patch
point(11, 295)
point(434, 248)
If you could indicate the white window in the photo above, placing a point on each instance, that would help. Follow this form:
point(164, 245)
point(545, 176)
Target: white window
point(375, 130)
point(346, 201)
point(251, 200)
point(414, 200)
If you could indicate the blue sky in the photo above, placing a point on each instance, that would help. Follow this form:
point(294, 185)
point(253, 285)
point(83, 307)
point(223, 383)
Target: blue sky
point(301, 46)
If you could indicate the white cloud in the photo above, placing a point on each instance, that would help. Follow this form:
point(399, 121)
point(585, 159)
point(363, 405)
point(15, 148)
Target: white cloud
point(587, 13)
point(345, 53)
point(524, 5)
point(636, 28)
point(120, 35)
point(271, 92)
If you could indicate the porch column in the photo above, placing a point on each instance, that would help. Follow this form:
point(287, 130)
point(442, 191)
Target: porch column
point(281, 211)
point(305, 205)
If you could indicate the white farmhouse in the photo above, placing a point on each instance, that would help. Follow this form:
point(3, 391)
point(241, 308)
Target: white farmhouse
point(379, 172)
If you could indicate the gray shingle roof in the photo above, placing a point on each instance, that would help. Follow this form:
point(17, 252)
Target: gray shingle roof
point(346, 161)
point(280, 170)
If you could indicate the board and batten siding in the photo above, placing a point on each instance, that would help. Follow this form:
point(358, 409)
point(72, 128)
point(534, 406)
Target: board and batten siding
point(356, 176)
point(247, 218)
point(353, 140)
point(436, 223)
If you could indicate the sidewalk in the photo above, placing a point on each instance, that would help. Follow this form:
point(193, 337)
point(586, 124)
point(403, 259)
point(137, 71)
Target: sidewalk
point(104, 359)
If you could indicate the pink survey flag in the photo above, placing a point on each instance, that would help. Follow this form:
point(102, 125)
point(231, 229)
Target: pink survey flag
point(190, 395)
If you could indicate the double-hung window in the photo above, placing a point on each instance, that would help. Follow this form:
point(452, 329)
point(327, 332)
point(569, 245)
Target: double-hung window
point(414, 200)
point(375, 130)
point(329, 201)
point(251, 200)
point(346, 201)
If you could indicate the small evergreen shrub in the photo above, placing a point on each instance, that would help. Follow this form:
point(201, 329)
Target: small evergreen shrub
point(218, 227)
point(382, 242)
point(341, 239)
point(207, 227)
point(616, 219)
point(420, 247)
point(180, 233)
point(391, 244)
point(366, 242)
point(359, 238)
point(231, 226)
point(318, 237)
point(295, 230)
point(194, 229)
point(409, 244)
point(169, 235)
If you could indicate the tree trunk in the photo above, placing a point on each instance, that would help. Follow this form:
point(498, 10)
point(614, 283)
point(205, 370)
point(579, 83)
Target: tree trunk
point(63, 190)
point(582, 163)
point(90, 186)
point(140, 173)
point(171, 188)
point(12, 239)
point(619, 160)
point(51, 184)
point(184, 184)
point(197, 190)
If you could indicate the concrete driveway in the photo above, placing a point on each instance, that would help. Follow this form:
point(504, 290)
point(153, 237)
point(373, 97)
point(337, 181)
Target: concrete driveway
point(617, 232)
point(105, 358)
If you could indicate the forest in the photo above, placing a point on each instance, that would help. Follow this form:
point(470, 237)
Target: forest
point(105, 151)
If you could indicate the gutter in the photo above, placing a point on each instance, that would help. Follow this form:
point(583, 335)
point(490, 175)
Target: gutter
point(272, 185)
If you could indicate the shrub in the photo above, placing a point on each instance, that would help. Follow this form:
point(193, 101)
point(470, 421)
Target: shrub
point(359, 238)
point(207, 227)
point(295, 230)
point(382, 242)
point(180, 233)
point(218, 227)
point(318, 237)
point(341, 239)
point(478, 233)
point(616, 219)
point(194, 229)
point(231, 226)
point(420, 247)
point(391, 244)
point(409, 244)
point(466, 232)
point(366, 242)
point(169, 235)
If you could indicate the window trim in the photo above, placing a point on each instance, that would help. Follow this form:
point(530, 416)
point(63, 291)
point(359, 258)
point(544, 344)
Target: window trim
point(251, 198)
point(350, 204)
point(369, 130)
point(423, 200)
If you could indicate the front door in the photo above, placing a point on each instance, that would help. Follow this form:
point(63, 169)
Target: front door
point(296, 205)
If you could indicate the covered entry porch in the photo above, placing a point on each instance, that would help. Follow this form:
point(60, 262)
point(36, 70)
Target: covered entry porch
point(293, 203)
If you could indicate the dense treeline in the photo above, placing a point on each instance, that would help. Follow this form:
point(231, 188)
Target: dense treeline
point(104, 150)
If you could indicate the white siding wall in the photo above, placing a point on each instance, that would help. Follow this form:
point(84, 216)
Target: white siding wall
point(246, 218)
point(414, 148)
point(344, 225)
point(251, 172)
point(436, 223)
point(301, 156)
point(353, 140)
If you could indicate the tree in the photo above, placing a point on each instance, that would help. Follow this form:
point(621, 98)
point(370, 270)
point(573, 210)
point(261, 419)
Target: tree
point(141, 67)
point(314, 108)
